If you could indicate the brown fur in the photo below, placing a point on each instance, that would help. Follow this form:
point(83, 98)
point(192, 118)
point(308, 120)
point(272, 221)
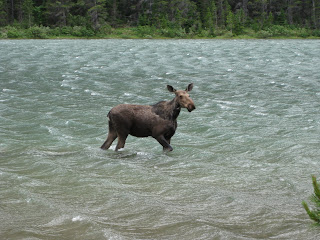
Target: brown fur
point(158, 120)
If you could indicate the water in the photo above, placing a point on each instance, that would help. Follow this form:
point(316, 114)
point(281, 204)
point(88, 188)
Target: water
point(242, 161)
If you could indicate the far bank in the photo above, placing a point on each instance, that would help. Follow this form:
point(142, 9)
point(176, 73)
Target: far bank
point(150, 32)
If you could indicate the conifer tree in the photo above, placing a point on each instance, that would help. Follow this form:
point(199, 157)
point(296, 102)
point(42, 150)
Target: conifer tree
point(27, 9)
point(3, 13)
point(97, 12)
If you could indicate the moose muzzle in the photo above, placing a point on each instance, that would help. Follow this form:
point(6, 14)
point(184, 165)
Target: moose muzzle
point(191, 107)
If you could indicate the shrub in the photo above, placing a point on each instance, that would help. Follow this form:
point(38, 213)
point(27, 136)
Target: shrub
point(38, 32)
point(278, 31)
point(315, 198)
point(80, 31)
point(263, 34)
point(3, 33)
point(66, 30)
point(227, 34)
point(316, 33)
point(54, 31)
point(106, 29)
point(13, 32)
point(173, 33)
point(304, 33)
point(145, 31)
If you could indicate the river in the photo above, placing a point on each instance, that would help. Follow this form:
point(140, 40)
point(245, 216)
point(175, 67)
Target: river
point(242, 161)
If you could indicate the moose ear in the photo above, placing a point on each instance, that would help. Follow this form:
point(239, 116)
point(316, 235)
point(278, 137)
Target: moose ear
point(171, 89)
point(189, 88)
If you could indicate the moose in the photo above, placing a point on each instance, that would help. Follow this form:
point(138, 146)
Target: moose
point(158, 120)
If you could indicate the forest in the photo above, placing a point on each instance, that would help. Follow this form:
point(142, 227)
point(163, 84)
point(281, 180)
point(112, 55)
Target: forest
point(159, 18)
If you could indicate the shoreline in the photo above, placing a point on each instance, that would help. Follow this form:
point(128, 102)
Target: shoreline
point(163, 38)
point(146, 32)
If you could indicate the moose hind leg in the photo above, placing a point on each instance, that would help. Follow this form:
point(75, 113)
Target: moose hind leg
point(112, 135)
point(121, 141)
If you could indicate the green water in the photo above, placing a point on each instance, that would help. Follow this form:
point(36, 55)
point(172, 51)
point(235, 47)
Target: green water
point(242, 161)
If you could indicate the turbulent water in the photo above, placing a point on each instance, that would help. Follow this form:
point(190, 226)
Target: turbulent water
point(242, 161)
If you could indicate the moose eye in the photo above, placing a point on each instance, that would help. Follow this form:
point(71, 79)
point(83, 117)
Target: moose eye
point(180, 96)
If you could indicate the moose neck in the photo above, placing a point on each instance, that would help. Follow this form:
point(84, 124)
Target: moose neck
point(175, 109)
point(167, 109)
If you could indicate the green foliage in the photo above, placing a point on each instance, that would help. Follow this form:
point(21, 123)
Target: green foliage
point(239, 22)
point(79, 31)
point(27, 9)
point(66, 30)
point(3, 13)
point(78, 20)
point(13, 32)
point(315, 198)
point(173, 32)
point(230, 21)
point(263, 34)
point(106, 29)
point(278, 30)
point(38, 32)
point(316, 33)
point(145, 31)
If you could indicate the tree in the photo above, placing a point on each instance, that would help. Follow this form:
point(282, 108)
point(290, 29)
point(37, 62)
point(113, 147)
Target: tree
point(315, 13)
point(239, 22)
point(209, 18)
point(58, 11)
point(27, 9)
point(290, 11)
point(245, 8)
point(3, 13)
point(230, 19)
point(97, 12)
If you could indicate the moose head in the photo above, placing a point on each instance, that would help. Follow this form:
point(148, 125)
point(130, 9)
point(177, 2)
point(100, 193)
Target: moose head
point(183, 97)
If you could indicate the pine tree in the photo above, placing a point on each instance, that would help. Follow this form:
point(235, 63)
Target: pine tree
point(27, 9)
point(230, 20)
point(3, 13)
point(315, 198)
point(239, 22)
point(97, 12)
point(58, 12)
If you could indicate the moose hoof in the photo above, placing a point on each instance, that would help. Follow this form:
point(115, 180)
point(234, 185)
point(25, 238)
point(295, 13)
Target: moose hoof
point(169, 149)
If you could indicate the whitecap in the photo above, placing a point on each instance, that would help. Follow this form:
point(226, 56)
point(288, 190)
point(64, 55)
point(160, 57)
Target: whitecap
point(8, 90)
point(52, 130)
point(223, 106)
point(57, 221)
point(77, 219)
point(260, 114)
point(142, 153)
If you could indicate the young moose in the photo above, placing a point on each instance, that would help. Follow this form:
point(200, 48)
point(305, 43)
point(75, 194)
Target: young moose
point(158, 121)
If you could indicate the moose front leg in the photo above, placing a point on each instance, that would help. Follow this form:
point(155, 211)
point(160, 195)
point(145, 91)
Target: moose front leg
point(166, 146)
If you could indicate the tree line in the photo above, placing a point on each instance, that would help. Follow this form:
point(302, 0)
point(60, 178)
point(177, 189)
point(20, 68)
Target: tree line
point(186, 16)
